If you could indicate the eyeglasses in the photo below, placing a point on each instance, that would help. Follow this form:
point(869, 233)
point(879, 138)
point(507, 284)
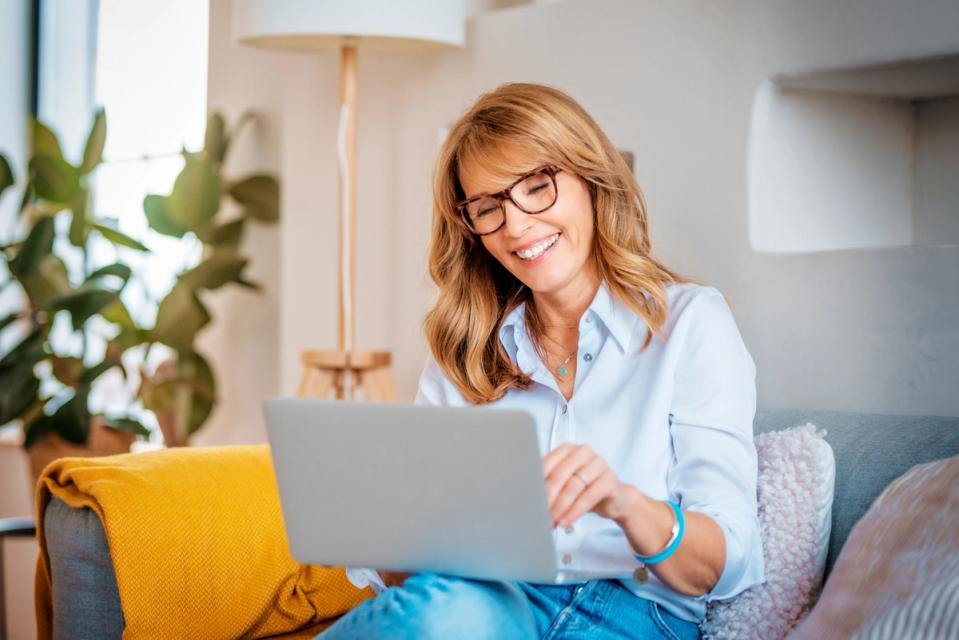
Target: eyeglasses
point(535, 192)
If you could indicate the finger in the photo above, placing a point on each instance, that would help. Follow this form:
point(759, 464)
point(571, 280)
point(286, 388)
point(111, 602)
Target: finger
point(587, 500)
point(575, 485)
point(551, 459)
point(556, 480)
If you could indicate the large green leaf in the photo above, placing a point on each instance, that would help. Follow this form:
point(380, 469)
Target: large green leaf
point(79, 227)
point(227, 235)
point(39, 244)
point(18, 384)
point(36, 428)
point(119, 238)
point(196, 195)
point(93, 152)
point(82, 303)
point(117, 313)
point(158, 216)
point(127, 424)
point(221, 267)
point(215, 142)
point(185, 395)
point(180, 316)
point(6, 174)
point(54, 179)
point(260, 196)
point(117, 269)
point(47, 282)
point(194, 367)
point(44, 140)
point(72, 419)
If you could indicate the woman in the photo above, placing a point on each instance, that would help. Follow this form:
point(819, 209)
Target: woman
point(640, 385)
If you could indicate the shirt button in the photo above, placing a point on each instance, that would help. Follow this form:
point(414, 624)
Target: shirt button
point(565, 408)
point(588, 357)
point(589, 318)
point(567, 559)
point(569, 530)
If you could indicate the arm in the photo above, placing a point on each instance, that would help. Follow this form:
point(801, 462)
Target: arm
point(714, 470)
point(695, 566)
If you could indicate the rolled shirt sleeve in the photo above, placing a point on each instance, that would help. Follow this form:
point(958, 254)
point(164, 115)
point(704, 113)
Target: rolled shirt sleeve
point(711, 426)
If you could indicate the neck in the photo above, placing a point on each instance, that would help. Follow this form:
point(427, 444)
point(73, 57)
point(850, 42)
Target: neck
point(564, 308)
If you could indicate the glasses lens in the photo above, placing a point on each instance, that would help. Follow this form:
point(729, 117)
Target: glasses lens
point(485, 214)
point(536, 193)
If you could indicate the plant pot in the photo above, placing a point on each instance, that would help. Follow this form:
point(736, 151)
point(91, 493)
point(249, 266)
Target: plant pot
point(103, 441)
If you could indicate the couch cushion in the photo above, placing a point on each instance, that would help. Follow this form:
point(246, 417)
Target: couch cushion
point(795, 489)
point(898, 575)
point(86, 603)
point(871, 451)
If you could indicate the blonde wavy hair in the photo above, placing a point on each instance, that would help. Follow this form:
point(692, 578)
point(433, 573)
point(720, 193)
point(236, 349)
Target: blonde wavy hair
point(507, 132)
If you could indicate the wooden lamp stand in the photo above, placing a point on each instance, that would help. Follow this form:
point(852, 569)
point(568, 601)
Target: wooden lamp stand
point(337, 373)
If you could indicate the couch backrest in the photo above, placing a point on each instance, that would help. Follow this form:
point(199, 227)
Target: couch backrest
point(871, 450)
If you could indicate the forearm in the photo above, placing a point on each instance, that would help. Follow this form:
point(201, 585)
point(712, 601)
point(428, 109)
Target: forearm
point(696, 565)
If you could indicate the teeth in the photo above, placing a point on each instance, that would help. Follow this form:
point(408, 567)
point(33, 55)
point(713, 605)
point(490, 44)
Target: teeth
point(537, 249)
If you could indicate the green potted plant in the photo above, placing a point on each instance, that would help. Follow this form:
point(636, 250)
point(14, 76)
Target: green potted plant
point(182, 391)
point(55, 205)
point(43, 386)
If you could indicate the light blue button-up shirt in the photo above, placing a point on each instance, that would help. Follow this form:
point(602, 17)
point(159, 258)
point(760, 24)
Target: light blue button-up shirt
point(675, 420)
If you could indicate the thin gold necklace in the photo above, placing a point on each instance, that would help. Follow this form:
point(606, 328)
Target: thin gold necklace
point(561, 369)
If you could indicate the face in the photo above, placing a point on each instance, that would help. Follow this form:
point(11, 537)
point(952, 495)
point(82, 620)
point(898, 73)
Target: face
point(565, 230)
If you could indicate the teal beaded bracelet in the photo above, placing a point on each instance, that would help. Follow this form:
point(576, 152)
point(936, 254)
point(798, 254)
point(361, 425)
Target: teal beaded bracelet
point(679, 527)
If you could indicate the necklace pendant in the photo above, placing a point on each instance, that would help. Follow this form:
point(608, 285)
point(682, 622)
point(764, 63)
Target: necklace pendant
point(562, 371)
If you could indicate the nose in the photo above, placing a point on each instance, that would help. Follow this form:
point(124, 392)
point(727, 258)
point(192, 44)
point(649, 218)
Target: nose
point(517, 220)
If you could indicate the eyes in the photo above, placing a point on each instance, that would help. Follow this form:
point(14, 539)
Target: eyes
point(491, 205)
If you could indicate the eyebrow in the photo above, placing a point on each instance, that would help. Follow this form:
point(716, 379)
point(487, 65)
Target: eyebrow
point(512, 180)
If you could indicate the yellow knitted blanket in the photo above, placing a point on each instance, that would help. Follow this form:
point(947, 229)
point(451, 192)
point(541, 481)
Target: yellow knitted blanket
point(198, 545)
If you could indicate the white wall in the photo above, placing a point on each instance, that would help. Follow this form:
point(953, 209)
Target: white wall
point(936, 168)
point(864, 330)
point(829, 171)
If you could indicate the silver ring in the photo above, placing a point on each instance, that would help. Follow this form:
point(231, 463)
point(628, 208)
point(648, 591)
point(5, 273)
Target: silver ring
point(581, 478)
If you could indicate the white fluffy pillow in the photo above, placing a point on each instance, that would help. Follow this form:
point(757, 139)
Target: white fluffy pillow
point(797, 473)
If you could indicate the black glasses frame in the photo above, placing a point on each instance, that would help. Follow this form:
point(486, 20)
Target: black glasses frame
point(500, 196)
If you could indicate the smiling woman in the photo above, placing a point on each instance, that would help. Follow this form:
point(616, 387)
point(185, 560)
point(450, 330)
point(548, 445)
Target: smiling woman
point(638, 381)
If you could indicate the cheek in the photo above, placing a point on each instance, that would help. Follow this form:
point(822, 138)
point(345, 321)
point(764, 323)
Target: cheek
point(494, 249)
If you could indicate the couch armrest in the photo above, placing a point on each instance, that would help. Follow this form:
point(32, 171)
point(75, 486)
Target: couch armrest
point(197, 545)
point(86, 603)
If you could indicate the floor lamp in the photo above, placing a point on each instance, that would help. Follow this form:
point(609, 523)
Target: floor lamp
point(346, 25)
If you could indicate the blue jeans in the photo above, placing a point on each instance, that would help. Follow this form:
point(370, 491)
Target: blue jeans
point(429, 605)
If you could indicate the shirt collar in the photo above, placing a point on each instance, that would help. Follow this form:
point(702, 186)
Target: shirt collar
point(618, 319)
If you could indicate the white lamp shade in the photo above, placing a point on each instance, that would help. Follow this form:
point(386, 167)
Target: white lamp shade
point(392, 25)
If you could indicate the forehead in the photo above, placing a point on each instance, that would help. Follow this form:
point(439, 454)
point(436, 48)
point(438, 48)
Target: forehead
point(494, 169)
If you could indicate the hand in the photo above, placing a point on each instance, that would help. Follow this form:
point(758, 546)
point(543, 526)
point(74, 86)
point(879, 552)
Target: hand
point(578, 481)
point(393, 578)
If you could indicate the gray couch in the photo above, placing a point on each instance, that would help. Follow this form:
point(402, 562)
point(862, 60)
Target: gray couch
point(870, 452)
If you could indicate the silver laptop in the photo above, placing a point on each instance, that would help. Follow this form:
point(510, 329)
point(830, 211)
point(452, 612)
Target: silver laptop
point(458, 491)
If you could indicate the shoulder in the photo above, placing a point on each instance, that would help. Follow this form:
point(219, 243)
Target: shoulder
point(692, 305)
point(436, 388)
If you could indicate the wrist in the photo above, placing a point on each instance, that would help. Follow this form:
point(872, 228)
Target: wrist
point(626, 502)
point(647, 522)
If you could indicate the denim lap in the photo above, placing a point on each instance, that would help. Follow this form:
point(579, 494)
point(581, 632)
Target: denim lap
point(429, 605)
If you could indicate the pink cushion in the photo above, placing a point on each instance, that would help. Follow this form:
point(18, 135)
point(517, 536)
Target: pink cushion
point(898, 574)
point(795, 490)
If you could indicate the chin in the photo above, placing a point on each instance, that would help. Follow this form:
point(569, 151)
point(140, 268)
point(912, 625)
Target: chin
point(546, 283)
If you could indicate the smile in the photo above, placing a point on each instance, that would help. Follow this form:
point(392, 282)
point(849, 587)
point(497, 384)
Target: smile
point(537, 249)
